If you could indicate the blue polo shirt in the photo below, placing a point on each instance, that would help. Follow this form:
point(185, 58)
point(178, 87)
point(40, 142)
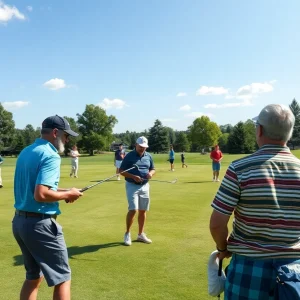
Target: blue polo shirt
point(171, 154)
point(144, 163)
point(38, 163)
point(118, 154)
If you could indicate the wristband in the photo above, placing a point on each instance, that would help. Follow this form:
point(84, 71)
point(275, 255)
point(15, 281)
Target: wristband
point(223, 250)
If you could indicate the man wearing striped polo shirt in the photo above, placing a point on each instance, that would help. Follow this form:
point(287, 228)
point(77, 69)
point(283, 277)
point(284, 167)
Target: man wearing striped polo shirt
point(263, 192)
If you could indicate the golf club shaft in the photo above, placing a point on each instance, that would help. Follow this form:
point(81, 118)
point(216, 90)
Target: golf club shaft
point(101, 181)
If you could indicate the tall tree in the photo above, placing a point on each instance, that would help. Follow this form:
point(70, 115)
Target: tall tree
point(158, 138)
point(29, 134)
point(96, 128)
point(204, 133)
point(236, 139)
point(223, 142)
point(7, 128)
point(171, 134)
point(250, 136)
point(295, 108)
point(182, 143)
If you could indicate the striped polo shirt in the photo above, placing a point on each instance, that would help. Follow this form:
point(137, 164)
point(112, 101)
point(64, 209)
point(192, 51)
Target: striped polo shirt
point(263, 191)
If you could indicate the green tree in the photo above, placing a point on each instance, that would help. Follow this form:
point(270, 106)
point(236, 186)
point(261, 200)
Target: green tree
point(7, 128)
point(236, 139)
point(96, 128)
point(182, 142)
point(158, 138)
point(29, 134)
point(250, 136)
point(223, 142)
point(172, 136)
point(204, 133)
point(19, 141)
point(295, 108)
point(227, 128)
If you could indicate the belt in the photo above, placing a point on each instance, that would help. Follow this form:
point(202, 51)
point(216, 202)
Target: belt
point(34, 214)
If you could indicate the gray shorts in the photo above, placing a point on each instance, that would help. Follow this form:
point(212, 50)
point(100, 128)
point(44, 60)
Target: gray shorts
point(43, 247)
point(137, 196)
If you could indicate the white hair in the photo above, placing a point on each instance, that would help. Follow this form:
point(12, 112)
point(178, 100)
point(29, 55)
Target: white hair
point(277, 122)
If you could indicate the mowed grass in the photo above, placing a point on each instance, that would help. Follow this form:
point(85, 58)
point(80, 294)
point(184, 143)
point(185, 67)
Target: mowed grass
point(173, 267)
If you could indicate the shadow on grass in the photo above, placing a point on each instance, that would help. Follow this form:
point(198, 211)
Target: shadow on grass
point(74, 251)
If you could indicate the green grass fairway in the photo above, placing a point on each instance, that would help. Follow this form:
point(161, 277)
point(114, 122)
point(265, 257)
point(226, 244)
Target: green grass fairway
point(173, 267)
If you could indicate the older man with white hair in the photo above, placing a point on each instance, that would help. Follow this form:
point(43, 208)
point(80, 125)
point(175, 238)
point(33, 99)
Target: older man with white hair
point(137, 187)
point(263, 192)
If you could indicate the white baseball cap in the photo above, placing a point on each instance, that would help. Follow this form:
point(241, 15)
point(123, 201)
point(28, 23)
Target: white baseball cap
point(142, 141)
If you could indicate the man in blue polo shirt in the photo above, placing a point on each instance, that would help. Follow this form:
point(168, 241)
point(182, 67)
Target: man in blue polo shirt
point(35, 229)
point(137, 187)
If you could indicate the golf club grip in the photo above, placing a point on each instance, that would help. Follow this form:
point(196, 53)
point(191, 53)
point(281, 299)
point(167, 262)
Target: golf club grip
point(83, 189)
point(220, 267)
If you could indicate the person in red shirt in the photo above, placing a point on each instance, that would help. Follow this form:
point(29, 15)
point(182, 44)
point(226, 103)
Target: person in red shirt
point(216, 156)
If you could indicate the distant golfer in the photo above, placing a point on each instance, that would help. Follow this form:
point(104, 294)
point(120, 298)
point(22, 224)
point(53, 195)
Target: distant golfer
point(35, 229)
point(171, 158)
point(1, 162)
point(182, 157)
point(74, 161)
point(119, 156)
point(216, 156)
point(137, 187)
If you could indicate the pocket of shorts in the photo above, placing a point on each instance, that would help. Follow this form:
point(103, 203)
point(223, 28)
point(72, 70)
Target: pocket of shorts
point(56, 228)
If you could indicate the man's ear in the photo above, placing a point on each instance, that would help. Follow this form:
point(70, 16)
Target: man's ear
point(260, 131)
point(55, 132)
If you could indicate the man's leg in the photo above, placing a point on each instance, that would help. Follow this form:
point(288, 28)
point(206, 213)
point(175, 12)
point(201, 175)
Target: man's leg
point(62, 291)
point(30, 289)
point(129, 219)
point(217, 175)
point(141, 220)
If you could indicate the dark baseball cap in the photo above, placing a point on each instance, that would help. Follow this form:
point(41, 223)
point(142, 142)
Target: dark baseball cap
point(59, 123)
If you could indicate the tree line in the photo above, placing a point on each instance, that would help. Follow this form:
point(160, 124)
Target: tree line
point(96, 134)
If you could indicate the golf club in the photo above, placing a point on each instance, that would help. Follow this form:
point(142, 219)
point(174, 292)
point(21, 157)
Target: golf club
point(166, 181)
point(106, 179)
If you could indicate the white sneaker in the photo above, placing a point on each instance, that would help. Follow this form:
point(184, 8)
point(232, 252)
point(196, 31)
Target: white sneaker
point(214, 179)
point(127, 239)
point(218, 180)
point(143, 238)
point(119, 178)
point(173, 170)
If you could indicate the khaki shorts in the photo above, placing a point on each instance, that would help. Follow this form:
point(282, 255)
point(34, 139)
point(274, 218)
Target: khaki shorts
point(138, 196)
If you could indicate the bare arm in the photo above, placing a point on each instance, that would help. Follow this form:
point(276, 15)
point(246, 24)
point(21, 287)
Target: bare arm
point(219, 231)
point(43, 193)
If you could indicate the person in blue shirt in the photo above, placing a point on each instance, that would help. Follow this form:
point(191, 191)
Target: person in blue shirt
point(171, 158)
point(34, 225)
point(137, 187)
point(119, 156)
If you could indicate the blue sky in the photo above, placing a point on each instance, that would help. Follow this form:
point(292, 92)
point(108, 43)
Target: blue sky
point(141, 60)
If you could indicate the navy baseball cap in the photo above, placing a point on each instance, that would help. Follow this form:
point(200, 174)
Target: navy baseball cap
point(59, 123)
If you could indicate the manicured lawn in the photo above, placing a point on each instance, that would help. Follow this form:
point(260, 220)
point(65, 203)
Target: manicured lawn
point(173, 267)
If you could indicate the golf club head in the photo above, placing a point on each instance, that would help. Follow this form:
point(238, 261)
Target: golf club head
point(174, 181)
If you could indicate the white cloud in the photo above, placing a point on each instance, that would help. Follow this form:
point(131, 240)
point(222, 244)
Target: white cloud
point(29, 8)
point(114, 103)
point(169, 120)
point(14, 105)
point(253, 89)
point(55, 84)
point(185, 107)
point(196, 114)
point(211, 90)
point(9, 12)
point(246, 102)
point(181, 94)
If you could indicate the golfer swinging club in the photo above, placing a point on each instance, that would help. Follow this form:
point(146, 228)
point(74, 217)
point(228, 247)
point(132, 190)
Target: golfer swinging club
point(35, 229)
point(137, 187)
